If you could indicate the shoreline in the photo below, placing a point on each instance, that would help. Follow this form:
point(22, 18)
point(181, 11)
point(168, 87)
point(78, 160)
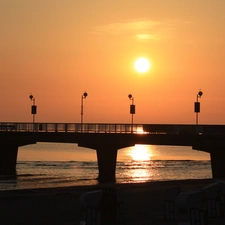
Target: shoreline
point(153, 184)
point(60, 206)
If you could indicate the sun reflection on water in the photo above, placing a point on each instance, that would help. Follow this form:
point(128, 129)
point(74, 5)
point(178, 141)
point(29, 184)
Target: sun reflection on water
point(141, 157)
point(140, 153)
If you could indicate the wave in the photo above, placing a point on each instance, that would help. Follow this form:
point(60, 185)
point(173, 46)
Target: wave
point(39, 174)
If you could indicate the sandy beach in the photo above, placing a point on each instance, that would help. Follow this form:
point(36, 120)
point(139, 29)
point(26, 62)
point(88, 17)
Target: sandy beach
point(60, 206)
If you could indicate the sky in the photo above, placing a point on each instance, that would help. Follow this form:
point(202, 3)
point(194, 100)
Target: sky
point(57, 50)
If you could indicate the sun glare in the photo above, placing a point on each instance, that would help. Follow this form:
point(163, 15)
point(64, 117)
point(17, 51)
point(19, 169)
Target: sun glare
point(140, 153)
point(142, 65)
point(140, 131)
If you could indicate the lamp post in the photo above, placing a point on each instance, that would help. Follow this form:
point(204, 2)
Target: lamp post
point(132, 110)
point(33, 108)
point(197, 105)
point(83, 96)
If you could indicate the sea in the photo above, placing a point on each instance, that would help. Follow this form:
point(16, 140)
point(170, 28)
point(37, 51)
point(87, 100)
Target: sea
point(45, 165)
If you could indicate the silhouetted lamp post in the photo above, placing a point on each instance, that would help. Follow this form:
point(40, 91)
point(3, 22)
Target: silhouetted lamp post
point(197, 105)
point(33, 107)
point(132, 111)
point(82, 107)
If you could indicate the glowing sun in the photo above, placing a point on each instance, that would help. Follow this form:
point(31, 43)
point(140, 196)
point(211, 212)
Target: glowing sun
point(142, 65)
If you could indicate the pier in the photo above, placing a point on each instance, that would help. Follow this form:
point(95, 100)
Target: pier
point(107, 139)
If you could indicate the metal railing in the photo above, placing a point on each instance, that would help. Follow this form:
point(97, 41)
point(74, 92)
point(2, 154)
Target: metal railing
point(71, 127)
point(112, 128)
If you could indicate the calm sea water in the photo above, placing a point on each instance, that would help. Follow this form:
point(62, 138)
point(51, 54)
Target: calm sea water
point(59, 165)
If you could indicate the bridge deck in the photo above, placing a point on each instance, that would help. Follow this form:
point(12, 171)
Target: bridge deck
point(112, 128)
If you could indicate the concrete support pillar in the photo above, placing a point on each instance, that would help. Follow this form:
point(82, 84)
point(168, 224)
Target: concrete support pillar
point(106, 146)
point(106, 156)
point(218, 163)
point(8, 158)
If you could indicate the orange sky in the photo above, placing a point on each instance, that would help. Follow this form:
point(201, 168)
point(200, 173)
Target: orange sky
point(58, 49)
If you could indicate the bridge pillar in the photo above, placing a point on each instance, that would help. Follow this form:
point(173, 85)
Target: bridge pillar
point(8, 158)
point(106, 156)
point(215, 145)
point(106, 146)
point(218, 163)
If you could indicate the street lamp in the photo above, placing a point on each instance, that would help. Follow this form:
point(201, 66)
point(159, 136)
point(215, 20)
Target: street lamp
point(82, 107)
point(33, 107)
point(132, 111)
point(197, 105)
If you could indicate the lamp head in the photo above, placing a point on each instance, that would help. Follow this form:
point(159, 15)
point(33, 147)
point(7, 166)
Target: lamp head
point(200, 93)
point(85, 94)
point(31, 97)
point(130, 96)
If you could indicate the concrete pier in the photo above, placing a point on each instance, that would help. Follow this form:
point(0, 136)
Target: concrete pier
point(107, 164)
point(107, 139)
point(8, 158)
point(106, 151)
point(216, 147)
point(218, 163)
